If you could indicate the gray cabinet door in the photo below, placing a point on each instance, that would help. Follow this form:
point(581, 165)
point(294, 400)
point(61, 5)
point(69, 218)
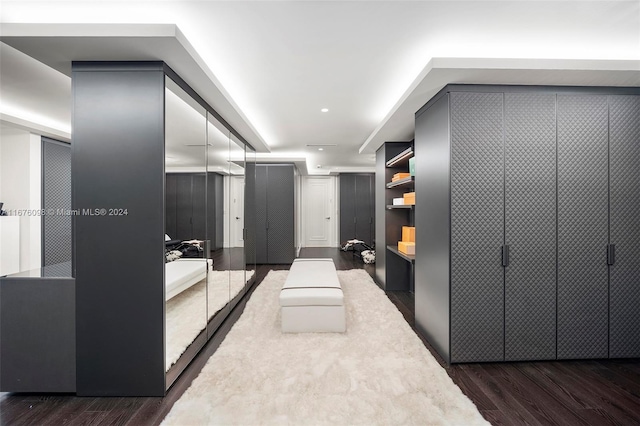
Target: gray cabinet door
point(215, 205)
point(477, 222)
point(261, 214)
point(364, 202)
point(347, 207)
point(171, 212)
point(624, 146)
point(530, 226)
point(199, 206)
point(280, 214)
point(184, 208)
point(583, 210)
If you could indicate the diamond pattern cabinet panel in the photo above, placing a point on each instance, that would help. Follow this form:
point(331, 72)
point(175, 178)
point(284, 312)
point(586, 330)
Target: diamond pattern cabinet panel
point(56, 190)
point(624, 151)
point(477, 276)
point(261, 214)
point(280, 214)
point(530, 226)
point(582, 226)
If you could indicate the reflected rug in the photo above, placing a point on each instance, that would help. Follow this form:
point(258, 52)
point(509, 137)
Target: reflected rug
point(186, 314)
point(378, 372)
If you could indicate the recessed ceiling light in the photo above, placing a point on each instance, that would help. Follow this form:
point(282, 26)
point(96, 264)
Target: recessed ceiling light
point(320, 149)
point(325, 110)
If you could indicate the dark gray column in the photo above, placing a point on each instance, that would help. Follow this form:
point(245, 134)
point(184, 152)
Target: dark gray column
point(624, 151)
point(118, 162)
point(477, 227)
point(583, 230)
point(432, 275)
point(530, 226)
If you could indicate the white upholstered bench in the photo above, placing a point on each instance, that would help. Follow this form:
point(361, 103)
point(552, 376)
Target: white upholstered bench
point(311, 298)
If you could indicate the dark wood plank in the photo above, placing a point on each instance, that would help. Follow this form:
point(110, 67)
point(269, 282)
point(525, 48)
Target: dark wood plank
point(469, 387)
point(620, 380)
point(89, 418)
point(559, 385)
point(609, 396)
point(503, 398)
point(542, 405)
point(72, 408)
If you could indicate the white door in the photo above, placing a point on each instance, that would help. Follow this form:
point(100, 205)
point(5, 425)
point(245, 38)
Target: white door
point(237, 211)
point(318, 211)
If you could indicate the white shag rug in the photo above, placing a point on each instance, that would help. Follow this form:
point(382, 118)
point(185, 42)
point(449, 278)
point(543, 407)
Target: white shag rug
point(186, 313)
point(377, 373)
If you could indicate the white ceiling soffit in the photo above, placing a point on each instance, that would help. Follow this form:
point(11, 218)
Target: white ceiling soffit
point(399, 124)
point(57, 45)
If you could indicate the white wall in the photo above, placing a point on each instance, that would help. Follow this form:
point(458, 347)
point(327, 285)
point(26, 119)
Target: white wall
point(20, 188)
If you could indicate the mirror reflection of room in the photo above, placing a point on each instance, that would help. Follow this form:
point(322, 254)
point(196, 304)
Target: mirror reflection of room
point(218, 203)
point(186, 239)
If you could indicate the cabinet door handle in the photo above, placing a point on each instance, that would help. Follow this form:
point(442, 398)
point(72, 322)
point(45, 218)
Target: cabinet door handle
point(505, 255)
point(611, 254)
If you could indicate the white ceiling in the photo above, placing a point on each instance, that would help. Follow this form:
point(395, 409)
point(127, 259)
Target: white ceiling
point(274, 65)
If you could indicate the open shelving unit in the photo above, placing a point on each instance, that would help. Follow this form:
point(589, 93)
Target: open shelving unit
point(400, 206)
point(408, 257)
point(394, 269)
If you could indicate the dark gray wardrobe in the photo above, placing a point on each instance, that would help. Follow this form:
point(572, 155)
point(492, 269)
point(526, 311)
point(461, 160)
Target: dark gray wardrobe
point(526, 243)
point(186, 215)
point(274, 192)
point(357, 204)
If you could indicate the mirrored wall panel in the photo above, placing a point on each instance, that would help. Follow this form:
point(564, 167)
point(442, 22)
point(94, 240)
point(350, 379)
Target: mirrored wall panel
point(249, 215)
point(187, 240)
point(236, 216)
point(217, 173)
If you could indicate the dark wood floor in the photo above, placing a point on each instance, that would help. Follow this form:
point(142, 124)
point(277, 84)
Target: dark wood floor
point(598, 392)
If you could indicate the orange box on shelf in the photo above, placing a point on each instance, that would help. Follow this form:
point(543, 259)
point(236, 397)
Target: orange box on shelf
point(407, 247)
point(409, 234)
point(399, 176)
point(410, 198)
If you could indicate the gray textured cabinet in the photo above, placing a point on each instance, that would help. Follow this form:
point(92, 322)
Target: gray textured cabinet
point(527, 233)
point(357, 201)
point(274, 192)
point(624, 195)
point(477, 231)
point(530, 226)
point(582, 226)
point(56, 194)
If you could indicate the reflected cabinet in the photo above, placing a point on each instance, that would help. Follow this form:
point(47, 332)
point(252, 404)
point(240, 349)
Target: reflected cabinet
point(156, 275)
